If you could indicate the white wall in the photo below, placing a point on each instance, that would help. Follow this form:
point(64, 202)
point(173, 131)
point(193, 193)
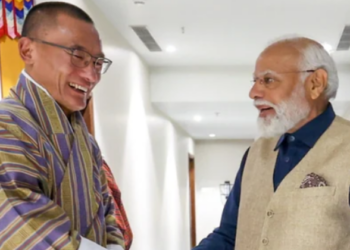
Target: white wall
point(216, 161)
point(221, 84)
point(148, 155)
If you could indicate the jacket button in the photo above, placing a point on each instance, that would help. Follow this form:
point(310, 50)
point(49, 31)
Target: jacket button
point(265, 241)
point(270, 214)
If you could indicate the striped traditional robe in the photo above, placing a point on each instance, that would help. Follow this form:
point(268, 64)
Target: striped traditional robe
point(52, 189)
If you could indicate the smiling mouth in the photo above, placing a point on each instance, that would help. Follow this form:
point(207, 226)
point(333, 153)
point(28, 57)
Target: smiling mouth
point(78, 87)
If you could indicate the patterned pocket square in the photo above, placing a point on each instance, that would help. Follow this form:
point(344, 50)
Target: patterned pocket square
point(313, 180)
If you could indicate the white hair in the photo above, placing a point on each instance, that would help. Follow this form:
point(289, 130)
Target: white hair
point(313, 57)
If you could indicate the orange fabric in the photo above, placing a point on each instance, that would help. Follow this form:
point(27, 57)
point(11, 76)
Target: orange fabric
point(11, 64)
point(121, 217)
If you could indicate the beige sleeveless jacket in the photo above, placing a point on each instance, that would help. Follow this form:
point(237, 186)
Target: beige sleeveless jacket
point(293, 218)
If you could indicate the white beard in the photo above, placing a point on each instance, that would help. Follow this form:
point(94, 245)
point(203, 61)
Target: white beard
point(288, 114)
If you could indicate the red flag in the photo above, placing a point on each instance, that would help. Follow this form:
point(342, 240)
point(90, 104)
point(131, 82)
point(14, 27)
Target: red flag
point(10, 19)
point(2, 18)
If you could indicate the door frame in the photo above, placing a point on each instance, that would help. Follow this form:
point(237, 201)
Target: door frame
point(192, 184)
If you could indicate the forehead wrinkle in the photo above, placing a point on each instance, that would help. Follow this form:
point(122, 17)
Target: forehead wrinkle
point(265, 72)
point(280, 57)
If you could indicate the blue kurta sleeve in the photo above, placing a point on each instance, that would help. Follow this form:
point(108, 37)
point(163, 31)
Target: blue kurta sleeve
point(223, 237)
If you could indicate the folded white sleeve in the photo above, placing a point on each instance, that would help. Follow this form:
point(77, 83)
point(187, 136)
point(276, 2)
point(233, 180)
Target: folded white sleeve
point(114, 247)
point(86, 244)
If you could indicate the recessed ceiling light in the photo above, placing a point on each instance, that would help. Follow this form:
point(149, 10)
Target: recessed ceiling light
point(170, 49)
point(139, 2)
point(212, 135)
point(328, 47)
point(197, 118)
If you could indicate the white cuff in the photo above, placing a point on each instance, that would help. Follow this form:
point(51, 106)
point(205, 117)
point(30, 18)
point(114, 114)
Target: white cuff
point(114, 247)
point(86, 244)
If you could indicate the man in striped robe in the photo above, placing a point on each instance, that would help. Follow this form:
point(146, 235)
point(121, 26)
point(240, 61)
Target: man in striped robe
point(53, 192)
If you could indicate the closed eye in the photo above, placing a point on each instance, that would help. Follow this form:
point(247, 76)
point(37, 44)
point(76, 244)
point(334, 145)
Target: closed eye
point(79, 57)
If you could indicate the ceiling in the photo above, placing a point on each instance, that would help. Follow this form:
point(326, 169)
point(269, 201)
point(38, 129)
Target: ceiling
point(222, 33)
point(225, 32)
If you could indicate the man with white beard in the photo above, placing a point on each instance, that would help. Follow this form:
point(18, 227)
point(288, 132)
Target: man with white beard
point(292, 189)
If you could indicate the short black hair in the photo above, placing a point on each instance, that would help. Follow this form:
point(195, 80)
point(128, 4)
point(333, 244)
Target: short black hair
point(45, 14)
